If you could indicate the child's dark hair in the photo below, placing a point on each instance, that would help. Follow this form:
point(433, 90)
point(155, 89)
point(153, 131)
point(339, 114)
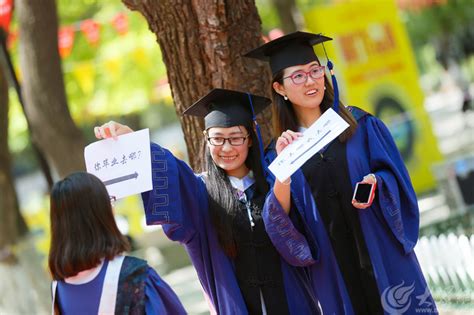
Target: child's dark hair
point(83, 228)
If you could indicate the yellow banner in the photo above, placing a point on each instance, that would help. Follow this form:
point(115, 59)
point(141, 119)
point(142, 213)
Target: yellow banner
point(376, 70)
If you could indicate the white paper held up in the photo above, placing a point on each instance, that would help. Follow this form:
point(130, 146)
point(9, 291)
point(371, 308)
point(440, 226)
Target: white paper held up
point(123, 165)
point(320, 133)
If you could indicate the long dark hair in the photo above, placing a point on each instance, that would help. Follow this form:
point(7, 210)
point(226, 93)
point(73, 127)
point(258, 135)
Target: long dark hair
point(223, 203)
point(83, 228)
point(284, 116)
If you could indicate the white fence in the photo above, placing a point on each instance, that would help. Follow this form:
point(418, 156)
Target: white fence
point(448, 264)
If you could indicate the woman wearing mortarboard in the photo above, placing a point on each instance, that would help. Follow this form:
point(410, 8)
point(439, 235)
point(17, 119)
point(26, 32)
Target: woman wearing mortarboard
point(217, 215)
point(365, 262)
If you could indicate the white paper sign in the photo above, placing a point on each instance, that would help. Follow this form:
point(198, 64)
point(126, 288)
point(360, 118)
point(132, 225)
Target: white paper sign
point(123, 165)
point(323, 131)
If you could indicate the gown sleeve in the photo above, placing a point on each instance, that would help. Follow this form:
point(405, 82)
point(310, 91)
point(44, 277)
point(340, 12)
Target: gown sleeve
point(159, 297)
point(396, 196)
point(176, 197)
point(287, 239)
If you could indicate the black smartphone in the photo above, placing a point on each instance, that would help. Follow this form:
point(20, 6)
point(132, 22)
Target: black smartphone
point(363, 193)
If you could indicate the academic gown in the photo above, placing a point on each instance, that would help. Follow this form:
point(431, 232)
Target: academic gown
point(179, 202)
point(389, 227)
point(138, 289)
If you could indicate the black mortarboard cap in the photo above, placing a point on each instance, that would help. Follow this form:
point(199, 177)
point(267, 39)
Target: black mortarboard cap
point(227, 108)
point(295, 49)
point(289, 50)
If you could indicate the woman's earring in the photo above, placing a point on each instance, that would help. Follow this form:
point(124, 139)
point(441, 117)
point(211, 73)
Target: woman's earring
point(324, 87)
point(285, 97)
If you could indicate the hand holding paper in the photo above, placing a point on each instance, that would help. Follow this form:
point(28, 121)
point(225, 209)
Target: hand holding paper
point(323, 131)
point(286, 138)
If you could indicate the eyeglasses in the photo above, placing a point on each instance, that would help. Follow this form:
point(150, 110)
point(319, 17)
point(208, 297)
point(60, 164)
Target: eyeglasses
point(300, 76)
point(234, 141)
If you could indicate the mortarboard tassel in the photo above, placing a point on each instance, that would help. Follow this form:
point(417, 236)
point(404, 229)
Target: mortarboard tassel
point(330, 66)
point(259, 136)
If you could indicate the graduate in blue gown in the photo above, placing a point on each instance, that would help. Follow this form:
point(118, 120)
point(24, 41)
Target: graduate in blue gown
point(91, 274)
point(364, 262)
point(217, 215)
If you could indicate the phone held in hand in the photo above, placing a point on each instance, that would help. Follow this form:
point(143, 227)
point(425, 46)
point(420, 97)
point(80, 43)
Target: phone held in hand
point(364, 193)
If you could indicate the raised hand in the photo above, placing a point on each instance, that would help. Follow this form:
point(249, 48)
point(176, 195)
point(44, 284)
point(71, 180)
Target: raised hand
point(285, 139)
point(111, 129)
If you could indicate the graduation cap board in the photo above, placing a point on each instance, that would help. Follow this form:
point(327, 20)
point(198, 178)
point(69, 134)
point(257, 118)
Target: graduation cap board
point(227, 108)
point(291, 50)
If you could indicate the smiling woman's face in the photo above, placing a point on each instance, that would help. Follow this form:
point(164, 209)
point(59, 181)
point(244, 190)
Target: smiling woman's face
point(308, 94)
point(231, 158)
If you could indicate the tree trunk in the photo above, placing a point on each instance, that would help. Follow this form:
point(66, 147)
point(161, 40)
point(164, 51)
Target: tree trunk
point(291, 19)
point(9, 72)
point(52, 127)
point(12, 225)
point(202, 42)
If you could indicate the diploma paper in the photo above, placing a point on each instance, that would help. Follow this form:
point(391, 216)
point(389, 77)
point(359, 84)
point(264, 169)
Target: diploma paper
point(123, 165)
point(323, 131)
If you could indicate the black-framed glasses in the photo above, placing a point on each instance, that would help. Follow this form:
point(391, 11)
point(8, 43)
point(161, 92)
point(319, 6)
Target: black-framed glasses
point(235, 141)
point(300, 76)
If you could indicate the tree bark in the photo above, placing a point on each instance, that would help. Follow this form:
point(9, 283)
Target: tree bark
point(52, 127)
point(9, 72)
point(12, 225)
point(202, 42)
point(291, 19)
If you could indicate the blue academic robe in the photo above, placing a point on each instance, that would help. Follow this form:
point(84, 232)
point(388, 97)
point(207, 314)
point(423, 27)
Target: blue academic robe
point(139, 289)
point(390, 227)
point(179, 202)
